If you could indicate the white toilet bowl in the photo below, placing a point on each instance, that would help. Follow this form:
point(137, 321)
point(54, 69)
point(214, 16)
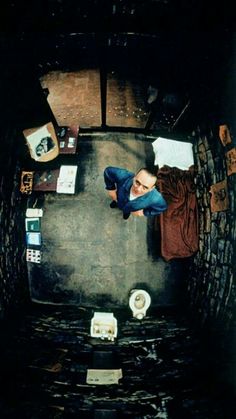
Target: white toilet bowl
point(139, 302)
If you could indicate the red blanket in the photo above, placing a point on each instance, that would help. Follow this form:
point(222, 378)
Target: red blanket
point(179, 223)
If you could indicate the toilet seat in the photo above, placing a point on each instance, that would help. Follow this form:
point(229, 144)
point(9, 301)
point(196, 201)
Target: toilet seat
point(139, 302)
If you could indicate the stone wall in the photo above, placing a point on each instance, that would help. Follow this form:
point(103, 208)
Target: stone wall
point(166, 370)
point(13, 274)
point(211, 286)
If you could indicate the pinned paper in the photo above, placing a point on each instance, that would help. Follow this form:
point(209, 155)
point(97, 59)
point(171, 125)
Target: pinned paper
point(224, 135)
point(231, 161)
point(219, 196)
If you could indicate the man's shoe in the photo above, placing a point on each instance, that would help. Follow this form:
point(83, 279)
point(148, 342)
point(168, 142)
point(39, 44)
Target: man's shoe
point(113, 204)
point(126, 215)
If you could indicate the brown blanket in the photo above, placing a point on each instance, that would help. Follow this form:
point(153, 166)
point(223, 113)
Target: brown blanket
point(179, 223)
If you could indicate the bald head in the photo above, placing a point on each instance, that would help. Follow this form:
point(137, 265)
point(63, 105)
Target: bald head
point(144, 181)
point(149, 173)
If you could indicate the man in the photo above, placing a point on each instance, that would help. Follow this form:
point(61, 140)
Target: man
point(134, 193)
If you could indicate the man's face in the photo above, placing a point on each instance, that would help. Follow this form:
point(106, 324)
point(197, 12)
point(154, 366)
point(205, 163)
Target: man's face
point(39, 150)
point(142, 183)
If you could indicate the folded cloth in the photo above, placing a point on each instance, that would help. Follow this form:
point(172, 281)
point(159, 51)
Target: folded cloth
point(173, 153)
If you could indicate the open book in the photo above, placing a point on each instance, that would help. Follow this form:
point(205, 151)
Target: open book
point(67, 179)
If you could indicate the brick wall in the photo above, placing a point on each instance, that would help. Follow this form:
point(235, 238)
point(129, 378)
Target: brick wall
point(211, 286)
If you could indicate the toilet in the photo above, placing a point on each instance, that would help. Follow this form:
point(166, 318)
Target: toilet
point(139, 302)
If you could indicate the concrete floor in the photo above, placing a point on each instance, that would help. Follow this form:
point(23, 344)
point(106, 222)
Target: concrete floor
point(90, 255)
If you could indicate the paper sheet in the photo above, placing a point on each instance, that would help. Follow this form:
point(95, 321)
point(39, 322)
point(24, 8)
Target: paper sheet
point(104, 377)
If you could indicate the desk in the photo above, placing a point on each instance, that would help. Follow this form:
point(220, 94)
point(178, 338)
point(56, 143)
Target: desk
point(46, 181)
point(61, 180)
point(67, 139)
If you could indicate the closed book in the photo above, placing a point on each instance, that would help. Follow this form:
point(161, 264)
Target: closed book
point(33, 238)
point(32, 224)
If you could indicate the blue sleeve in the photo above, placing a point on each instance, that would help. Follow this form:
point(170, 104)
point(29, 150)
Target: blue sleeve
point(113, 176)
point(156, 207)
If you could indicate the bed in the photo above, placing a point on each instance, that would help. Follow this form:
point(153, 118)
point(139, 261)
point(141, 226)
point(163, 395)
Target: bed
point(179, 223)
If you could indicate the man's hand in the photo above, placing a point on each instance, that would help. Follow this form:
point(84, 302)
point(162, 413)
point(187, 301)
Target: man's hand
point(113, 195)
point(138, 213)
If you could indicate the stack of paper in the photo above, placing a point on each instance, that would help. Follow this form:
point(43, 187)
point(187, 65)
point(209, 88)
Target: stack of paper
point(66, 180)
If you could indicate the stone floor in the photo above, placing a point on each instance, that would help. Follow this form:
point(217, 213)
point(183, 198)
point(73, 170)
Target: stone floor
point(90, 255)
point(168, 370)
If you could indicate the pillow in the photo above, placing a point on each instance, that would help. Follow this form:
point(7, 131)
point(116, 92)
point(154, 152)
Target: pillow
point(173, 153)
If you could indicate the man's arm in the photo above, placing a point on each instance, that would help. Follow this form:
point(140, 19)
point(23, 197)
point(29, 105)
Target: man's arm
point(110, 178)
point(156, 207)
point(138, 213)
point(113, 176)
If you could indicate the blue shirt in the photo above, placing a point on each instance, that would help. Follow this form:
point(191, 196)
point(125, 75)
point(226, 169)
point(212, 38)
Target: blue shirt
point(152, 202)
